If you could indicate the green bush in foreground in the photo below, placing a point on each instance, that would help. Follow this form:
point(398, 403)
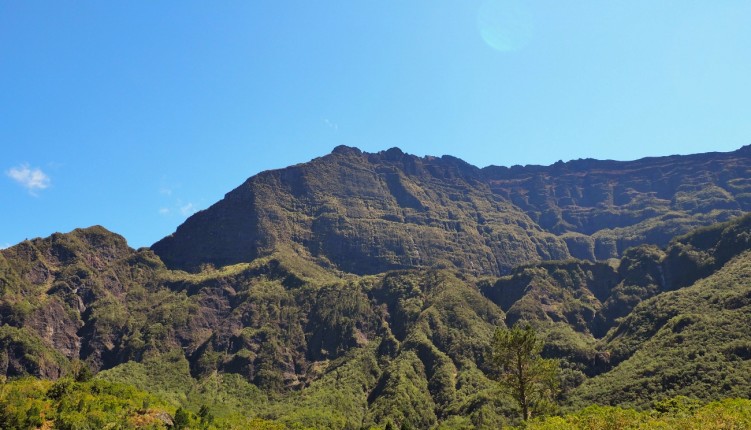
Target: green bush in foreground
point(678, 413)
point(66, 404)
point(31, 403)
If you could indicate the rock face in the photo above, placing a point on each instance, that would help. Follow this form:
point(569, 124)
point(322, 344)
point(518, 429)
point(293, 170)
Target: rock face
point(59, 298)
point(367, 213)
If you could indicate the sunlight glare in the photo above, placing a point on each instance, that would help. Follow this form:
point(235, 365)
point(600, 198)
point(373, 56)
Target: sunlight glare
point(505, 25)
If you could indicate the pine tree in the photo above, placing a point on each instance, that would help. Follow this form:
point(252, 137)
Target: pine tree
point(532, 380)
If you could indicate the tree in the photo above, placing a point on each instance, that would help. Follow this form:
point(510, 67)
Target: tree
point(81, 371)
point(205, 415)
point(181, 420)
point(532, 380)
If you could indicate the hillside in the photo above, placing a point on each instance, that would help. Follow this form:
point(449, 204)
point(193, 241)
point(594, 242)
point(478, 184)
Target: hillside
point(282, 339)
point(280, 325)
point(368, 213)
point(343, 335)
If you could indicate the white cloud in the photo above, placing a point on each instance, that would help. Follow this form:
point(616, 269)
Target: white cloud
point(31, 179)
point(165, 190)
point(331, 125)
point(188, 209)
point(5, 245)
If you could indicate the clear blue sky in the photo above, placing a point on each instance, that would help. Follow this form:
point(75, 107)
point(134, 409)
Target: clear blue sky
point(134, 114)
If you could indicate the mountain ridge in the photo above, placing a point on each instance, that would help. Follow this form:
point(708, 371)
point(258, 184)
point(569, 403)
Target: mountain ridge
point(368, 212)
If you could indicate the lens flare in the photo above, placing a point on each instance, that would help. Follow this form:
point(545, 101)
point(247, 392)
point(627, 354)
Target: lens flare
point(505, 25)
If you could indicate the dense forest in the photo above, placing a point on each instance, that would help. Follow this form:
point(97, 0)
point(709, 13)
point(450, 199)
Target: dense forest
point(366, 291)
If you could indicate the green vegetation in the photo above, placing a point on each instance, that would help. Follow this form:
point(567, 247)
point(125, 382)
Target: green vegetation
point(695, 341)
point(678, 413)
point(31, 403)
point(532, 380)
point(67, 404)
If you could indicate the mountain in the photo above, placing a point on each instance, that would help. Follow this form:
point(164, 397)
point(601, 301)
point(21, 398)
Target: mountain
point(280, 324)
point(694, 339)
point(368, 213)
point(362, 289)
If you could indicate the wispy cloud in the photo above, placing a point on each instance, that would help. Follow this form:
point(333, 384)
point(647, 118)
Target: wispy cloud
point(179, 208)
point(33, 179)
point(165, 191)
point(172, 204)
point(5, 245)
point(188, 209)
point(332, 125)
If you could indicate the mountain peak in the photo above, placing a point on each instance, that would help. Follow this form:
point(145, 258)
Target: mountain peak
point(392, 154)
point(346, 150)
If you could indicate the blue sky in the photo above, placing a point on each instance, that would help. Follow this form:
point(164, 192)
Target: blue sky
point(133, 115)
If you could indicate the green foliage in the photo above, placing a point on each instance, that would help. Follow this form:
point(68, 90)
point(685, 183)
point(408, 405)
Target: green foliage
point(32, 403)
point(695, 342)
point(725, 414)
point(67, 404)
point(165, 375)
point(532, 380)
point(22, 352)
point(404, 395)
point(182, 419)
point(81, 371)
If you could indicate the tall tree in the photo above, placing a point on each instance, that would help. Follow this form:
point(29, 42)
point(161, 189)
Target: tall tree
point(532, 380)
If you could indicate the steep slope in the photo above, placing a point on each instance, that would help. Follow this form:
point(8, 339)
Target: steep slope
point(620, 204)
point(695, 342)
point(367, 213)
point(67, 295)
point(293, 339)
point(676, 319)
point(594, 316)
point(279, 323)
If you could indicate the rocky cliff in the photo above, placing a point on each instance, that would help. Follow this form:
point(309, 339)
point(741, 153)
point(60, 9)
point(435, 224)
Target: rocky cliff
point(367, 213)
